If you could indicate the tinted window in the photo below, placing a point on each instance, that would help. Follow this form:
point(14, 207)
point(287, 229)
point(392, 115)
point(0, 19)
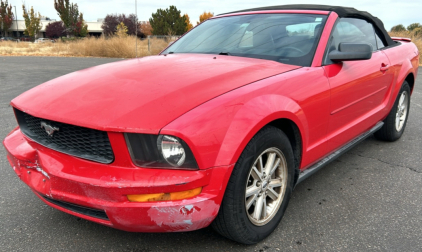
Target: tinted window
point(286, 38)
point(351, 30)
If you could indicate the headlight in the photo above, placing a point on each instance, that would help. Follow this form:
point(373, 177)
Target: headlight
point(159, 151)
point(171, 150)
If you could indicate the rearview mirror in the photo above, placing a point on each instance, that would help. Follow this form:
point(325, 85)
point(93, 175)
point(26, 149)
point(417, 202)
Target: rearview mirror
point(351, 51)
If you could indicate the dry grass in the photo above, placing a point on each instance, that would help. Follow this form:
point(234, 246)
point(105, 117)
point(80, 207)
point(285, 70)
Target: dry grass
point(415, 39)
point(89, 47)
point(115, 47)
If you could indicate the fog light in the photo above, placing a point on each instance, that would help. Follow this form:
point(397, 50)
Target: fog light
point(164, 196)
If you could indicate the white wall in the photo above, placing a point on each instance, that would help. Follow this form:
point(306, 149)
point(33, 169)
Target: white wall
point(20, 26)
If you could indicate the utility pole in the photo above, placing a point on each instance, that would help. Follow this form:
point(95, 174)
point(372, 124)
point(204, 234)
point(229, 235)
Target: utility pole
point(16, 20)
point(136, 30)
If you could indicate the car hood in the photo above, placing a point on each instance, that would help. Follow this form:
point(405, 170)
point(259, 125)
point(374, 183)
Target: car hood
point(142, 95)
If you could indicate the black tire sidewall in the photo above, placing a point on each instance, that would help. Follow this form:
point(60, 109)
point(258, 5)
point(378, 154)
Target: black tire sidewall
point(270, 137)
point(388, 131)
point(392, 116)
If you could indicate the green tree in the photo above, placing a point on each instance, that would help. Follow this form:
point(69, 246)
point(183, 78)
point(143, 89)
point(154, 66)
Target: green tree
point(398, 28)
point(6, 16)
point(32, 22)
point(168, 21)
point(72, 19)
point(413, 26)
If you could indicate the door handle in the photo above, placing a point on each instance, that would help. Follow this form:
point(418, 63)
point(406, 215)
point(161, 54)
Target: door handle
point(384, 67)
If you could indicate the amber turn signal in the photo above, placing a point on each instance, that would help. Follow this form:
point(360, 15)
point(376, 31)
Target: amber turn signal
point(164, 196)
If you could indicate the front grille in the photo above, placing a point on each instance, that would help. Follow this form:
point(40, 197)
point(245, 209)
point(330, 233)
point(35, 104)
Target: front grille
point(100, 214)
point(69, 139)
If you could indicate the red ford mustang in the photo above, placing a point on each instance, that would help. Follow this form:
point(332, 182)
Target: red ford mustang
point(220, 127)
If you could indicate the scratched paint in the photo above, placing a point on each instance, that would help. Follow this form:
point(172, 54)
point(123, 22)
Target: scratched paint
point(42, 172)
point(189, 209)
point(37, 168)
point(184, 217)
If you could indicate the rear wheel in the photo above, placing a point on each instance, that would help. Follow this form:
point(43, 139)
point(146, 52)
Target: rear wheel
point(259, 188)
point(395, 123)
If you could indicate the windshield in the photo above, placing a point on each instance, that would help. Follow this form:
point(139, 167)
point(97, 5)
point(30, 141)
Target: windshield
point(286, 38)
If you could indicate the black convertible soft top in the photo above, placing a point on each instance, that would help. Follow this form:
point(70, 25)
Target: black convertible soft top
point(341, 12)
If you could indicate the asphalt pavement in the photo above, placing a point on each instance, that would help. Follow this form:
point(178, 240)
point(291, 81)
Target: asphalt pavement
point(370, 199)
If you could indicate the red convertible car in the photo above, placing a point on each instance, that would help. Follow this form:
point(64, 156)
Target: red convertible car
point(220, 127)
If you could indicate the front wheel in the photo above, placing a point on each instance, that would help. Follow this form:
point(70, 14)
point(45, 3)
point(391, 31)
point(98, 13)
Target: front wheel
point(395, 123)
point(259, 188)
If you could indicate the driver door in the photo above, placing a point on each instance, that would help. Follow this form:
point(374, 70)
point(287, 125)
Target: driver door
point(358, 88)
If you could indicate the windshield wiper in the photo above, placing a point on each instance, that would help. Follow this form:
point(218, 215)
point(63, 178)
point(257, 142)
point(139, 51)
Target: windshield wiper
point(224, 53)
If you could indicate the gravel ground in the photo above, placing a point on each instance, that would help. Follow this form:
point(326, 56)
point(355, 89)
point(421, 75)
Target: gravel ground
point(367, 200)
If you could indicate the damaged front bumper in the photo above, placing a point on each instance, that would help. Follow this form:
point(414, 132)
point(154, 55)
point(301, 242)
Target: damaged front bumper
point(98, 192)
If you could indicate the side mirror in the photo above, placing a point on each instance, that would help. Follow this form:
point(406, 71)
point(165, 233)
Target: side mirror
point(351, 51)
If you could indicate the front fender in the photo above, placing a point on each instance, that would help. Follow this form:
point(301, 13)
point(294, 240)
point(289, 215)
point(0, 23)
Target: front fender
point(253, 116)
point(218, 130)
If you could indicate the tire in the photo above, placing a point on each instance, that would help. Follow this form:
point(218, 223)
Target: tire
point(395, 123)
point(239, 217)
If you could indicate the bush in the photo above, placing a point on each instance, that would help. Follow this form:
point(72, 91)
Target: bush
point(55, 30)
point(111, 21)
point(398, 28)
point(417, 33)
point(413, 26)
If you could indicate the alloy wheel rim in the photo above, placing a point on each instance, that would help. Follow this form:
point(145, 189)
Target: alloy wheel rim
point(401, 113)
point(266, 186)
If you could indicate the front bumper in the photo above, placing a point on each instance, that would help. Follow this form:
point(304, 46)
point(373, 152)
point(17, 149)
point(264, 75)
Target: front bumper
point(98, 192)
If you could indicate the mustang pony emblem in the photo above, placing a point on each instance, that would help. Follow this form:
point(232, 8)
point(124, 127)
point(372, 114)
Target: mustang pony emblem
point(49, 129)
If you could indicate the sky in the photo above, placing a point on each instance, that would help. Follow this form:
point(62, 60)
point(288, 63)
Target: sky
point(389, 11)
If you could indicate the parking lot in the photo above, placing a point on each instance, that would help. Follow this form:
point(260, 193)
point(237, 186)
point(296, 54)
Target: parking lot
point(370, 199)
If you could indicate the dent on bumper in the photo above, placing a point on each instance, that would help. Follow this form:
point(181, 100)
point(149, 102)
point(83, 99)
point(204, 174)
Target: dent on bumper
point(104, 187)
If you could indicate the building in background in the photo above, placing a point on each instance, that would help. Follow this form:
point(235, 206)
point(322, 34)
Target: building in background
point(18, 27)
